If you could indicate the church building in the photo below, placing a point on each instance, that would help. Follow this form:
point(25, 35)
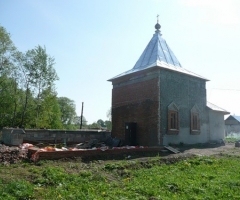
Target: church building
point(158, 102)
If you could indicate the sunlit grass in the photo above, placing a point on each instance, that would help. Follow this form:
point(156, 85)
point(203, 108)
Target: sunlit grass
point(198, 178)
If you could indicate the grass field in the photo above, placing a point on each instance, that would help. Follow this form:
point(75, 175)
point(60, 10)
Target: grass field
point(195, 178)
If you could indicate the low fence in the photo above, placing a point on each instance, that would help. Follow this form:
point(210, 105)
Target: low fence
point(57, 136)
point(61, 136)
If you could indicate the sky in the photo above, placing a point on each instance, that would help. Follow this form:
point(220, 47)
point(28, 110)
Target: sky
point(95, 40)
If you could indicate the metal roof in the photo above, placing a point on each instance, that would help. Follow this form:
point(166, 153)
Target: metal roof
point(236, 117)
point(157, 50)
point(158, 53)
point(216, 108)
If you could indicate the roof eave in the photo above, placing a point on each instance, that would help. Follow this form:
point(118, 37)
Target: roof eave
point(159, 64)
point(216, 108)
point(224, 112)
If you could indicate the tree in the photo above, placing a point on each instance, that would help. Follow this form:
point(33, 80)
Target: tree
point(7, 53)
point(6, 105)
point(38, 75)
point(27, 93)
point(68, 110)
point(94, 125)
point(108, 124)
point(101, 123)
point(49, 111)
point(9, 80)
point(109, 114)
point(77, 122)
point(44, 75)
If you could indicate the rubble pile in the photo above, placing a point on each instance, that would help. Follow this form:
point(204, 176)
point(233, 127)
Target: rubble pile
point(95, 143)
point(10, 155)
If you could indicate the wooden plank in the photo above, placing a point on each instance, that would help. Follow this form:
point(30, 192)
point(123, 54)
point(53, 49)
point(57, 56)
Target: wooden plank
point(171, 149)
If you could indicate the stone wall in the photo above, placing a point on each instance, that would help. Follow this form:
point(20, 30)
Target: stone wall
point(12, 136)
point(42, 135)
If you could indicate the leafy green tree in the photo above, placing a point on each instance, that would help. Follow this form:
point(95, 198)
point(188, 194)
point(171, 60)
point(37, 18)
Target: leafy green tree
point(77, 121)
point(55, 116)
point(49, 115)
point(6, 102)
point(38, 75)
point(44, 75)
point(68, 110)
point(7, 53)
point(94, 125)
point(26, 65)
point(108, 124)
point(8, 79)
point(101, 123)
point(109, 114)
point(27, 93)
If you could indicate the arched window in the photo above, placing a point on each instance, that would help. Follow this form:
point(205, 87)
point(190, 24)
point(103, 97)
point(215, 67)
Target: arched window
point(173, 119)
point(195, 120)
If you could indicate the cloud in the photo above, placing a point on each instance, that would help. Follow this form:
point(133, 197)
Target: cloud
point(217, 11)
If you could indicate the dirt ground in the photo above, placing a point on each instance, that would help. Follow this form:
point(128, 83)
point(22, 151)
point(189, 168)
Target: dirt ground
point(186, 152)
point(210, 149)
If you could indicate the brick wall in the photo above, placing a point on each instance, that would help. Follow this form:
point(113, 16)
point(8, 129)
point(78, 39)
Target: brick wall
point(137, 101)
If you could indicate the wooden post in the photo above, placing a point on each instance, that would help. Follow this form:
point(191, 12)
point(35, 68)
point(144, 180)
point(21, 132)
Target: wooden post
point(81, 117)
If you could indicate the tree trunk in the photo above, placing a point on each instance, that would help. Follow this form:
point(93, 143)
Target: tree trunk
point(25, 107)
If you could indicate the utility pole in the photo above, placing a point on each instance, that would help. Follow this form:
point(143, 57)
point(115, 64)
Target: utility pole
point(81, 117)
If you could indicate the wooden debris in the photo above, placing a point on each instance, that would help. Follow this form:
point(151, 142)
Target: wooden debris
point(171, 149)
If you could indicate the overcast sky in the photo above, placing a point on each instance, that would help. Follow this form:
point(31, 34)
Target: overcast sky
point(95, 40)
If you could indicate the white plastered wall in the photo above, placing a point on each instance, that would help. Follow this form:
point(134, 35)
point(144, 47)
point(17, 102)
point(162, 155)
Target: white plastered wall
point(216, 126)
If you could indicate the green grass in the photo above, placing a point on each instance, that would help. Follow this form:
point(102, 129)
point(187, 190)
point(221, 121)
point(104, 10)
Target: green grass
point(198, 178)
point(231, 139)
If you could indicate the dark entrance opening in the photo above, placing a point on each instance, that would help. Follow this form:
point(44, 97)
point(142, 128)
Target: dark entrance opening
point(130, 133)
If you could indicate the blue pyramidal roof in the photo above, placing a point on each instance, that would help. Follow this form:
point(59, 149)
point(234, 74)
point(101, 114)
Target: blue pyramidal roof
point(157, 50)
point(158, 54)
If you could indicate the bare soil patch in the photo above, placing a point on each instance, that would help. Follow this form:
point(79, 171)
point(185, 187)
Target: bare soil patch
point(186, 151)
point(211, 149)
